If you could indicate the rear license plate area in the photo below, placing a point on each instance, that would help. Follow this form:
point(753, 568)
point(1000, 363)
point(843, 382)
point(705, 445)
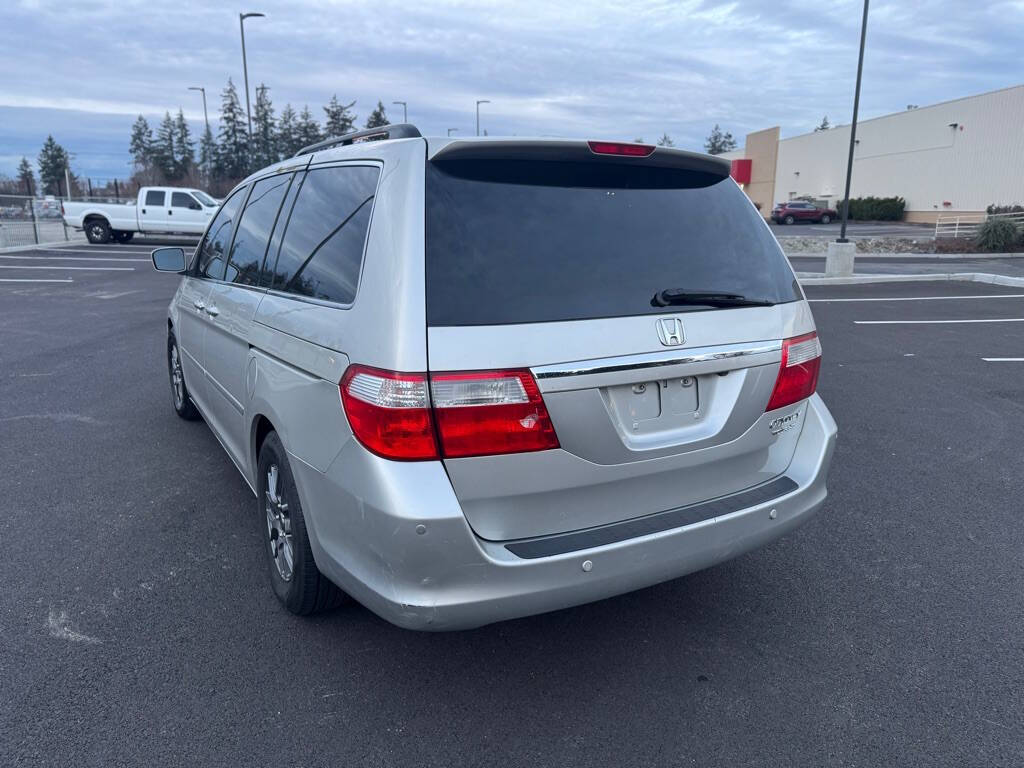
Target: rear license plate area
point(646, 403)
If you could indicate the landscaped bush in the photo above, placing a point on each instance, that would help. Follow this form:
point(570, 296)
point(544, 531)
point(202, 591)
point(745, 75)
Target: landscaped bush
point(875, 208)
point(997, 235)
point(1004, 209)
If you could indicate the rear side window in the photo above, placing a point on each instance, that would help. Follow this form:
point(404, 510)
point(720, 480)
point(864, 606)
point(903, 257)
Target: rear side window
point(525, 241)
point(322, 249)
point(254, 228)
point(214, 246)
point(155, 198)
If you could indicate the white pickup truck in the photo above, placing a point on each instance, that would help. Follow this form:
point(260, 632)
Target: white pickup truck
point(159, 210)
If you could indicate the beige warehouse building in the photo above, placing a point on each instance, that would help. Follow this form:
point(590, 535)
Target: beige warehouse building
point(951, 158)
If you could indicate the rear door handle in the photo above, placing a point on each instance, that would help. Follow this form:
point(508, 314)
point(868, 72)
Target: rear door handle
point(212, 311)
point(170, 213)
point(198, 304)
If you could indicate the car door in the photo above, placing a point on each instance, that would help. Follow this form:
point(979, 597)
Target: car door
point(186, 214)
point(231, 307)
point(194, 297)
point(153, 211)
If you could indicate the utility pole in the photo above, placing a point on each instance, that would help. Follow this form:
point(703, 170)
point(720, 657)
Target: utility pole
point(405, 110)
point(245, 69)
point(206, 117)
point(478, 103)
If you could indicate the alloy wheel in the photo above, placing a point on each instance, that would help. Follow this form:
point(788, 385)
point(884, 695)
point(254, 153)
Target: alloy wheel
point(279, 525)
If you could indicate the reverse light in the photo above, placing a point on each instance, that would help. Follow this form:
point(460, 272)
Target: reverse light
point(475, 413)
point(623, 148)
point(798, 373)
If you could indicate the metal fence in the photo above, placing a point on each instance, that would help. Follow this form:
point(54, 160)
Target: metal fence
point(32, 220)
point(966, 225)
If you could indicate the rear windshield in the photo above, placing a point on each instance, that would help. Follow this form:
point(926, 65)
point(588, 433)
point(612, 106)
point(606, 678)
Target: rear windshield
point(525, 242)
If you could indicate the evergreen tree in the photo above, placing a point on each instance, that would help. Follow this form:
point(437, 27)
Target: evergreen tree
point(339, 119)
point(207, 154)
point(308, 130)
point(162, 152)
point(287, 132)
point(718, 142)
point(233, 137)
point(824, 125)
point(53, 159)
point(666, 141)
point(184, 147)
point(26, 176)
point(377, 118)
point(141, 143)
point(264, 135)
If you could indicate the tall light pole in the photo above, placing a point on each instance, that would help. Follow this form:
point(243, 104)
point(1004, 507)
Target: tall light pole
point(206, 117)
point(451, 129)
point(478, 103)
point(405, 110)
point(853, 125)
point(245, 70)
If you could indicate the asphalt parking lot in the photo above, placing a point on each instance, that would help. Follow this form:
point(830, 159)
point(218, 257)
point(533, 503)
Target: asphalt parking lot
point(138, 628)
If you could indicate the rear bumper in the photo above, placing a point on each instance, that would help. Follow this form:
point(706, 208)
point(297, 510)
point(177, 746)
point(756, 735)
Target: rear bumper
point(393, 536)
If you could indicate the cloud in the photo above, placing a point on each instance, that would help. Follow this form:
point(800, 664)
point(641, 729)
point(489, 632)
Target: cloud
point(620, 70)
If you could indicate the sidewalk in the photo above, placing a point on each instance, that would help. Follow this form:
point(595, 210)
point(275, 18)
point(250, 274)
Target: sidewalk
point(998, 268)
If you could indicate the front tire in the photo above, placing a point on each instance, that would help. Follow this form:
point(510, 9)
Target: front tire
point(296, 580)
point(97, 231)
point(788, 220)
point(183, 405)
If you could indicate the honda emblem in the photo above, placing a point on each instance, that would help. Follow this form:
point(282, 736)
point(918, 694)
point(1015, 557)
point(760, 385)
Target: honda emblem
point(670, 331)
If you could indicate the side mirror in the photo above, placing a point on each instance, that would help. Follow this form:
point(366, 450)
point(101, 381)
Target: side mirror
point(169, 259)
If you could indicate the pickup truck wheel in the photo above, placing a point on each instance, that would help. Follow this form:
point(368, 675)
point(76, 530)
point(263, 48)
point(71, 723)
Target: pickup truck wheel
point(826, 219)
point(183, 405)
point(97, 231)
point(124, 237)
point(296, 580)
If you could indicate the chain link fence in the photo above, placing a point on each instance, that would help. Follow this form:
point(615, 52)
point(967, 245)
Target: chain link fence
point(32, 220)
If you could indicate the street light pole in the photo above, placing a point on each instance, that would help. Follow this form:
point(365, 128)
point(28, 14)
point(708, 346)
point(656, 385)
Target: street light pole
point(405, 110)
point(245, 69)
point(206, 116)
point(478, 103)
point(853, 126)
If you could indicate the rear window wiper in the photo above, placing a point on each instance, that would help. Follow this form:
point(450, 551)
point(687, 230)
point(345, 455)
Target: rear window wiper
point(678, 297)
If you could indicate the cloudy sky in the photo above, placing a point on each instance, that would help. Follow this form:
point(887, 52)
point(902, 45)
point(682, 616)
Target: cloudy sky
point(83, 69)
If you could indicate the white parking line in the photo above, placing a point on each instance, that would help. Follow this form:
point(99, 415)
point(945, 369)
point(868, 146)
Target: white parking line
point(33, 280)
point(1003, 359)
point(62, 268)
point(69, 258)
point(89, 250)
point(927, 298)
point(939, 322)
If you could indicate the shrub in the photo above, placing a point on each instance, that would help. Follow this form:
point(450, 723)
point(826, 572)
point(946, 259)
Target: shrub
point(997, 235)
point(1004, 209)
point(875, 208)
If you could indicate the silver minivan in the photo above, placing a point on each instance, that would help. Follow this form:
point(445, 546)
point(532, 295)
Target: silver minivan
point(471, 380)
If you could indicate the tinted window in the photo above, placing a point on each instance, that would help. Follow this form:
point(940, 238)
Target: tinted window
point(538, 242)
point(155, 198)
point(267, 275)
point(213, 248)
point(183, 200)
point(254, 229)
point(322, 249)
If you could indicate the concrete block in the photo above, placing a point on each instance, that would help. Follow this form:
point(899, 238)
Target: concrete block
point(839, 259)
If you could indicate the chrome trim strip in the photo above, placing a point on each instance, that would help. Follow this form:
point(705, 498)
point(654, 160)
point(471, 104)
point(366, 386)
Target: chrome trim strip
point(655, 359)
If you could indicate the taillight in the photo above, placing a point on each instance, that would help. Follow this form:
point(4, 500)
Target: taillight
point(620, 148)
point(389, 412)
point(477, 413)
point(482, 413)
point(798, 374)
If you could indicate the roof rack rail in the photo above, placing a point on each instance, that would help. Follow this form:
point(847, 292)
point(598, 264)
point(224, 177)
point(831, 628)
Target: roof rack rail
point(398, 131)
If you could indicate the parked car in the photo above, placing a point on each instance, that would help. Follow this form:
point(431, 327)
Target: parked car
point(799, 210)
point(470, 380)
point(158, 210)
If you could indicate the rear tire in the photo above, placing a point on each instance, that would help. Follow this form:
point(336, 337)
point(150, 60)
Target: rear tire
point(124, 237)
point(295, 579)
point(183, 405)
point(97, 231)
point(788, 220)
point(826, 219)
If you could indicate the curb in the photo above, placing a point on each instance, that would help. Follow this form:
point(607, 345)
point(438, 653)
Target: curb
point(14, 248)
point(816, 278)
point(907, 256)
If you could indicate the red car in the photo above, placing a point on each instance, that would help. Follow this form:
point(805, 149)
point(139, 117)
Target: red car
point(799, 210)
